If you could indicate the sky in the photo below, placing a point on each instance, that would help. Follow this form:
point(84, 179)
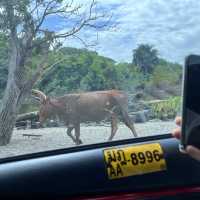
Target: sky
point(171, 26)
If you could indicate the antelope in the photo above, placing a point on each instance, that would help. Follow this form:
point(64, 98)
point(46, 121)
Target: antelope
point(73, 109)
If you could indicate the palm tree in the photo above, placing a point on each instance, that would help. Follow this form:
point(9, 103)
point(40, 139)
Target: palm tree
point(145, 57)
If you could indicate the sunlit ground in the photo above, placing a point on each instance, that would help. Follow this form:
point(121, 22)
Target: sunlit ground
point(56, 138)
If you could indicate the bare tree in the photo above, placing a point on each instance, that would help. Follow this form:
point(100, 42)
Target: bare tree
point(23, 21)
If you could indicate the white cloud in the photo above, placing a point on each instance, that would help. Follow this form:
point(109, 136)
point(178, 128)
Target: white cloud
point(173, 27)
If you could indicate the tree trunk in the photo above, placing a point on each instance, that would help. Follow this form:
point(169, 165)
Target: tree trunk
point(13, 96)
point(8, 112)
point(27, 116)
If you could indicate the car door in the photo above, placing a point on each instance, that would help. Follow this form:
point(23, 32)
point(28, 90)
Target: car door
point(84, 173)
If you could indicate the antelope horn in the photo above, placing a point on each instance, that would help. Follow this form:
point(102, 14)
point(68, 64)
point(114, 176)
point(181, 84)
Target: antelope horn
point(39, 94)
point(36, 98)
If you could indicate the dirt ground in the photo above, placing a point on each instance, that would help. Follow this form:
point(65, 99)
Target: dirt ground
point(56, 138)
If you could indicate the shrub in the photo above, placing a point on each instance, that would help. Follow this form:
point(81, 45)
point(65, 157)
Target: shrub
point(166, 109)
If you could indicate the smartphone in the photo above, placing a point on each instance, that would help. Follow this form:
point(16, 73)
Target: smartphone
point(190, 127)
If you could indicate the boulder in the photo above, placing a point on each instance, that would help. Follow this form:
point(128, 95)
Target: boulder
point(140, 116)
point(52, 123)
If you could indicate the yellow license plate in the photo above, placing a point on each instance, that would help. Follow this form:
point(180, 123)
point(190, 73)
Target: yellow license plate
point(134, 160)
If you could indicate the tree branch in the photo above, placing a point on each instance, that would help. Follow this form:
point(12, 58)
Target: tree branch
point(45, 13)
point(52, 8)
point(42, 69)
point(86, 45)
point(48, 70)
point(86, 21)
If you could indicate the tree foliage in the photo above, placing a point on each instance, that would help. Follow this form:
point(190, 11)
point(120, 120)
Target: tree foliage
point(83, 70)
point(86, 71)
point(145, 57)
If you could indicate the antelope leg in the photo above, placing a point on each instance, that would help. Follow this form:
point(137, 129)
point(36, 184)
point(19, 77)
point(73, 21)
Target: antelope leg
point(77, 134)
point(69, 133)
point(128, 123)
point(114, 126)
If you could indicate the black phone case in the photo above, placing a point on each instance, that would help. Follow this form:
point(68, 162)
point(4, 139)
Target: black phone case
point(187, 138)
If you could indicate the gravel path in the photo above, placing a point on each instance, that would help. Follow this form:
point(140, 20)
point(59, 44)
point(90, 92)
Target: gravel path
point(55, 138)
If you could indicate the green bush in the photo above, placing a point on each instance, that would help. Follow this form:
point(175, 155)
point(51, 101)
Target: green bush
point(168, 74)
point(166, 109)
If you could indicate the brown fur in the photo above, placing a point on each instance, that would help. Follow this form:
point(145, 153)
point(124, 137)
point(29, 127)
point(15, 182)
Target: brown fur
point(74, 109)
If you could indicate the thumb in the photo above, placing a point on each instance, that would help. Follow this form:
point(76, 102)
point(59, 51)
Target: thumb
point(193, 152)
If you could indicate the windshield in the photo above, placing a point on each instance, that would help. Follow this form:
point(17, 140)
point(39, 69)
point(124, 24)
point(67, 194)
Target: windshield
point(82, 72)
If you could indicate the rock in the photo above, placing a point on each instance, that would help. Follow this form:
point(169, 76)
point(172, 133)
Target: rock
point(52, 123)
point(139, 95)
point(156, 92)
point(28, 124)
point(21, 125)
point(36, 125)
point(140, 116)
point(149, 114)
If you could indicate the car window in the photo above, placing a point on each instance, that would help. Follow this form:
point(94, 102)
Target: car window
point(82, 72)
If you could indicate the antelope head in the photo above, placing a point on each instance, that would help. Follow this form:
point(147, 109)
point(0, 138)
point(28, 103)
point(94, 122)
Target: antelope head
point(45, 106)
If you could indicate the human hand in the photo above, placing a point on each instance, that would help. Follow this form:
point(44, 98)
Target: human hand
point(190, 150)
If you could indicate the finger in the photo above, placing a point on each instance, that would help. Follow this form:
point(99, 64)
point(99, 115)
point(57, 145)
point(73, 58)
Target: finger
point(177, 133)
point(193, 152)
point(183, 151)
point(178, 121)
